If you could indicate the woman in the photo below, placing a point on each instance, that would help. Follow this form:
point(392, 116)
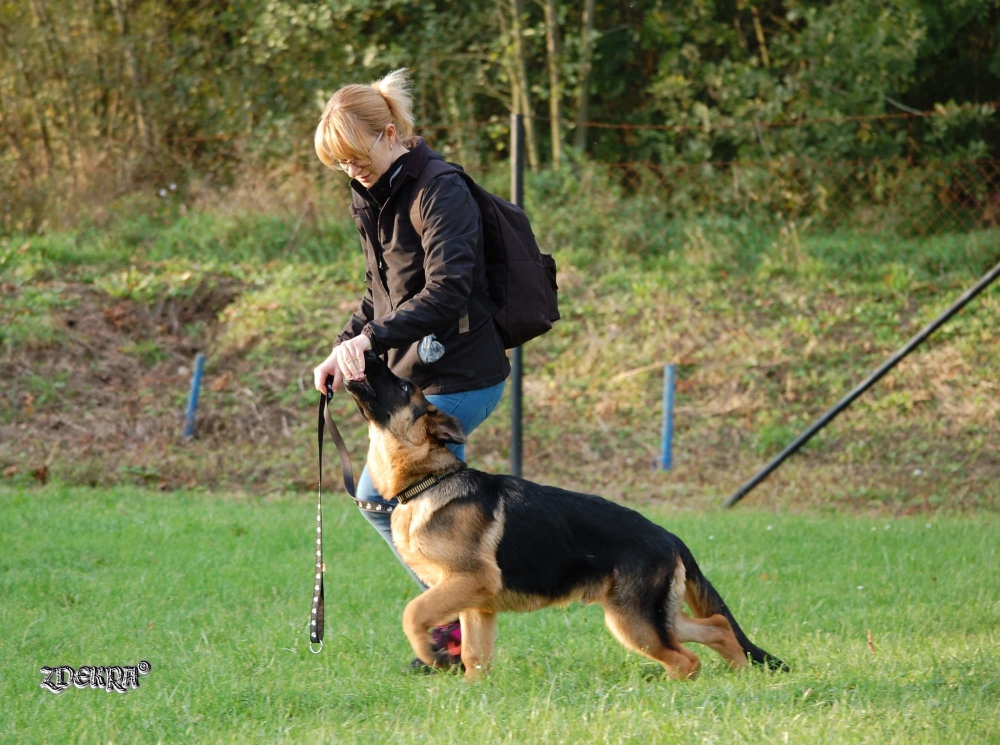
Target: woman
point(419, 306)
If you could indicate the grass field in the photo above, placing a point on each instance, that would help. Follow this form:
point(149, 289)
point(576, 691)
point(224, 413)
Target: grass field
point(213, 590)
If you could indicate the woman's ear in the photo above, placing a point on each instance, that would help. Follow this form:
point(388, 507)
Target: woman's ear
point(445, 428)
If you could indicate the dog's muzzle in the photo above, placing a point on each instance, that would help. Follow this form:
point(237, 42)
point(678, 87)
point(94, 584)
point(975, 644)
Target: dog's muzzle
point(362, 387)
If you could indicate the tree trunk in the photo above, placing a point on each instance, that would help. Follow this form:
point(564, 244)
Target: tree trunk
point(508, 63)
point(467, 153)
point(586, 53)
point(448, 105)
point(101, 104)
point(521, 71)
point(57, 57)
point(555, 89)
point(13, 137)
point(759, 31)
point(35, 107)
point(132, 64)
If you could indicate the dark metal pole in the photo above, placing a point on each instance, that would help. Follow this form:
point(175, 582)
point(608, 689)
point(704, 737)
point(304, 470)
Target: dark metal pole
point(867, 383)
point(517, 197)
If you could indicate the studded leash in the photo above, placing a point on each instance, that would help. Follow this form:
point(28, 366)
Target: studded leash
point(316, 620)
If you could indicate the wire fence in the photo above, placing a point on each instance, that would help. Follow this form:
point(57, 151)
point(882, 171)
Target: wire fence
point(903, 195)
point(791, 181)
point(892, 195)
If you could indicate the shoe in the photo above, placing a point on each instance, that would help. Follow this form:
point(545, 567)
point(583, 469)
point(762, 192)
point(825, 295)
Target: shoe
point(446, 641)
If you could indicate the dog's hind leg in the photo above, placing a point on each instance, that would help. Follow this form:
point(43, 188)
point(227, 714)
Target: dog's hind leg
point(714, 624)
point(641, 635)
point(478, 635)
point(714, 632)
point(440, 604)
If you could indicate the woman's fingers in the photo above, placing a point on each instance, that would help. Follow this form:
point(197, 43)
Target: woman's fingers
point(356, 349)
point(346, 361)
point(358, 360)
point(324, 370)
point(338, 378)
point(351, 356)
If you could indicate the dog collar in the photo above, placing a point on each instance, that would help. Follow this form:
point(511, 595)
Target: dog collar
point(424, 484)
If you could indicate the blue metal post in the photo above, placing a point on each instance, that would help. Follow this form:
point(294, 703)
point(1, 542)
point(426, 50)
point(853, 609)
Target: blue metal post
point(667, 437)
point(192, 405)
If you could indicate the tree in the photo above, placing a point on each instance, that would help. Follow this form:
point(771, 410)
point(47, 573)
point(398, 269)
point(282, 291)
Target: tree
point(522, 90)
point(583, 93)
point(554, 59)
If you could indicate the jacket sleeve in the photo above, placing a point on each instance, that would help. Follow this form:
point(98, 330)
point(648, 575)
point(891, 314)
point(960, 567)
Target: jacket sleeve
point(362, 315)
point(450, 238)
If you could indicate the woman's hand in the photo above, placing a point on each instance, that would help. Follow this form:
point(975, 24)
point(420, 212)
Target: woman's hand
point(351, 356)
point(346, 361)
point(325, 369)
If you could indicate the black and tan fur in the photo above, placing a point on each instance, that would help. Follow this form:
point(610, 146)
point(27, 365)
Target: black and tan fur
point(488, 543)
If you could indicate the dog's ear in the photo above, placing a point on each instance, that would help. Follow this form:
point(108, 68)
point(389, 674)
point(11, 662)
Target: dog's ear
point(444, 427)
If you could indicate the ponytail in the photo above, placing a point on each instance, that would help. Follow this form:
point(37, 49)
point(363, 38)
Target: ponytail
point(395, 89)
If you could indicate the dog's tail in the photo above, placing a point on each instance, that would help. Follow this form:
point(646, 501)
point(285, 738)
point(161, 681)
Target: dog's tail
point(705, 601)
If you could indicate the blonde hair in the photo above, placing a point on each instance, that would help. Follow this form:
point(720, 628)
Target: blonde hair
point(357, 113)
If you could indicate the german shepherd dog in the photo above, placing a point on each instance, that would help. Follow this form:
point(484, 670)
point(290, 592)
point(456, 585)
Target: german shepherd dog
point(488, 543)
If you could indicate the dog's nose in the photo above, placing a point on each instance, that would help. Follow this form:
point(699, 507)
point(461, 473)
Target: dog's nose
point(374, 365)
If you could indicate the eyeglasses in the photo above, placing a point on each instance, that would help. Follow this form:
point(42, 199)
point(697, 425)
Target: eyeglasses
point(343, 165)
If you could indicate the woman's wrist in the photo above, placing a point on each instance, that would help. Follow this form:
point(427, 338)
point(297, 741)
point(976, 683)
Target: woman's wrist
point(369, 333)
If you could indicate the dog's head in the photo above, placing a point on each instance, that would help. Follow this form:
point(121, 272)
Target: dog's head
point(407, 434)
point(396, 407)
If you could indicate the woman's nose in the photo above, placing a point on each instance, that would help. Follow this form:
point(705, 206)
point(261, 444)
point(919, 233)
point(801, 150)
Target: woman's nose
point(353, 170)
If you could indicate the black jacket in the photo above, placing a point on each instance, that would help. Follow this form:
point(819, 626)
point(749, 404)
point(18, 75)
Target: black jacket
point(419, 306)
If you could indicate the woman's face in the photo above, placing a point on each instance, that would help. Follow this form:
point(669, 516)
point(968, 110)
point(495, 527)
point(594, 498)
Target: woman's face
point(381, 156)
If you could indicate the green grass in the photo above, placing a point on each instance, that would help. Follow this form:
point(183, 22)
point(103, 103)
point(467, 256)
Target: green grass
point(214, 589)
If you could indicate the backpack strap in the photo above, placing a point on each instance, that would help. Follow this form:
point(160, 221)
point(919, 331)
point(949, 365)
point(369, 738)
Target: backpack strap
point(432, 170)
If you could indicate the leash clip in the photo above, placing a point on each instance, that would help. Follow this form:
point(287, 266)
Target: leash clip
point(316, 651)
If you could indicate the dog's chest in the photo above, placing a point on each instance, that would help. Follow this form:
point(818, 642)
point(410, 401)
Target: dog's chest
point(407, 534)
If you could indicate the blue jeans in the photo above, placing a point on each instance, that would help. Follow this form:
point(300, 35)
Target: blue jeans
point(470, 408)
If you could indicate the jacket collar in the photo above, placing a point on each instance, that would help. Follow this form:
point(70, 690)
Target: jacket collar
point(412, 166)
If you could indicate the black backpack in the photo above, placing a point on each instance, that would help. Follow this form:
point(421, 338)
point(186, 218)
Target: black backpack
point(521, 280)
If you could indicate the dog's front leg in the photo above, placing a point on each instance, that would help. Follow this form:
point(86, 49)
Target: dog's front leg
point(440, 604)
point(479, 630)
point(415, 629)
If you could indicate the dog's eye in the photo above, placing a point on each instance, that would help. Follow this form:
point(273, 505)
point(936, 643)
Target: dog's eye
point(407, 388)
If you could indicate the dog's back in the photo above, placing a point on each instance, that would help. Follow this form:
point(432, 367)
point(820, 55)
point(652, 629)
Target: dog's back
point(556, 542)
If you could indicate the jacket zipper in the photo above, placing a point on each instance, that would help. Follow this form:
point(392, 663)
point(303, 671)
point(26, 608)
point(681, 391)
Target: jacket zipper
point(381, 246)
point(373, 237)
